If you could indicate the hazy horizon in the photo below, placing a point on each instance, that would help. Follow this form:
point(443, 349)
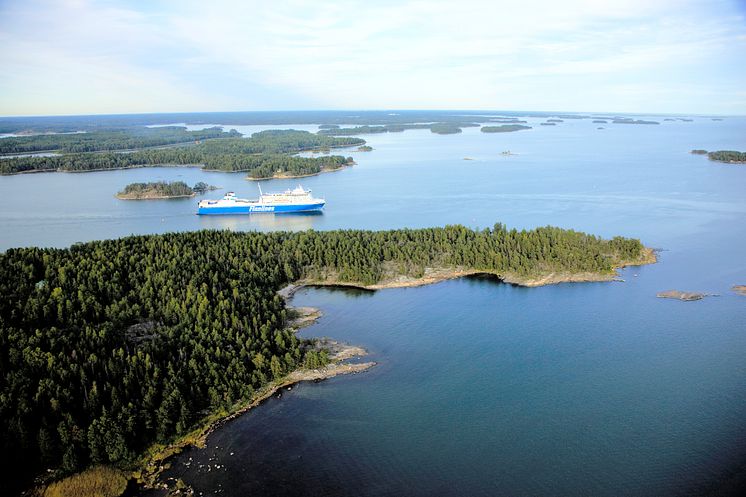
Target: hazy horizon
point(543, 112)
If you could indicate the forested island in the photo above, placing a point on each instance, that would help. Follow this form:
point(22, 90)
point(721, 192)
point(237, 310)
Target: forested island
point(505, 128)
point(263, 155)
point(109, 347)
point(729, 156)
point(112, 139)
point(162, 190)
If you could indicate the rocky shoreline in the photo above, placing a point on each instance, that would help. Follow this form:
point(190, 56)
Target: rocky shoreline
point(436, 275)
point(152, 467)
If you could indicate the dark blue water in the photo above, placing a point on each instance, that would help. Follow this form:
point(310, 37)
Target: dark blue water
point(489, 389)
point(596, 389)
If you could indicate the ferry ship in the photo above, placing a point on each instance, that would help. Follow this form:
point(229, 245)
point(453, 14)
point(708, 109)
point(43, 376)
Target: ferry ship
point(296, 200)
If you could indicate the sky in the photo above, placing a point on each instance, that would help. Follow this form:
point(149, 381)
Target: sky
point(636, 56)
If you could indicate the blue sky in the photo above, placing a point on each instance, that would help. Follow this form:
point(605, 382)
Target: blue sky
point(657, 56)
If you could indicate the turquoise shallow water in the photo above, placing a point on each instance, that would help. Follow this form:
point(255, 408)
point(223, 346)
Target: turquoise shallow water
point(484, 388)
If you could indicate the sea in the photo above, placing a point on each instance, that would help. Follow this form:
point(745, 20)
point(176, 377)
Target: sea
point(480, 387)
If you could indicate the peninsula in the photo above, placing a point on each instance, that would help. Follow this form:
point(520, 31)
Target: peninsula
point(140, 344)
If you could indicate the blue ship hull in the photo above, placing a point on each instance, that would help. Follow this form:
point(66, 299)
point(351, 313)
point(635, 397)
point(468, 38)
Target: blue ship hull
point(256, 209)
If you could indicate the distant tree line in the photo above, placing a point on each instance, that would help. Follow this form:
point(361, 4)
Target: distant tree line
point(112, 139)
point(259, 155)
point(727, 156)
point(626, 120)
point(442, 128)
point(445, 128)
point(505, 128)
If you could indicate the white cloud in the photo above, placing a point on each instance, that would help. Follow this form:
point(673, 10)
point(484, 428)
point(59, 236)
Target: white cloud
point(353, 54)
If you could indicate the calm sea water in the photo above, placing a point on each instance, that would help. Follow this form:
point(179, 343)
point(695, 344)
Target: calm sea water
point(483, 388)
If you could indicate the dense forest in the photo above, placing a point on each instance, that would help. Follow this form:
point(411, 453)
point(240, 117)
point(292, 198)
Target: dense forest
point(109, 346)
point(161, 189)
point(112, 139)
point(504, 128)
point(727, 156)
point(258, 155)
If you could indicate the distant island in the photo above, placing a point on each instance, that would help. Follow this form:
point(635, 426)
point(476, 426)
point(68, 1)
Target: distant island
point(555, 120)
point(599, 121)
point(728, 156)
point(364, 148)
point(507, 120)
point(505, 128)
point(632, 121)
point(162, 190)
point(548, 124)
point(441, 128)
point(679, 295)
